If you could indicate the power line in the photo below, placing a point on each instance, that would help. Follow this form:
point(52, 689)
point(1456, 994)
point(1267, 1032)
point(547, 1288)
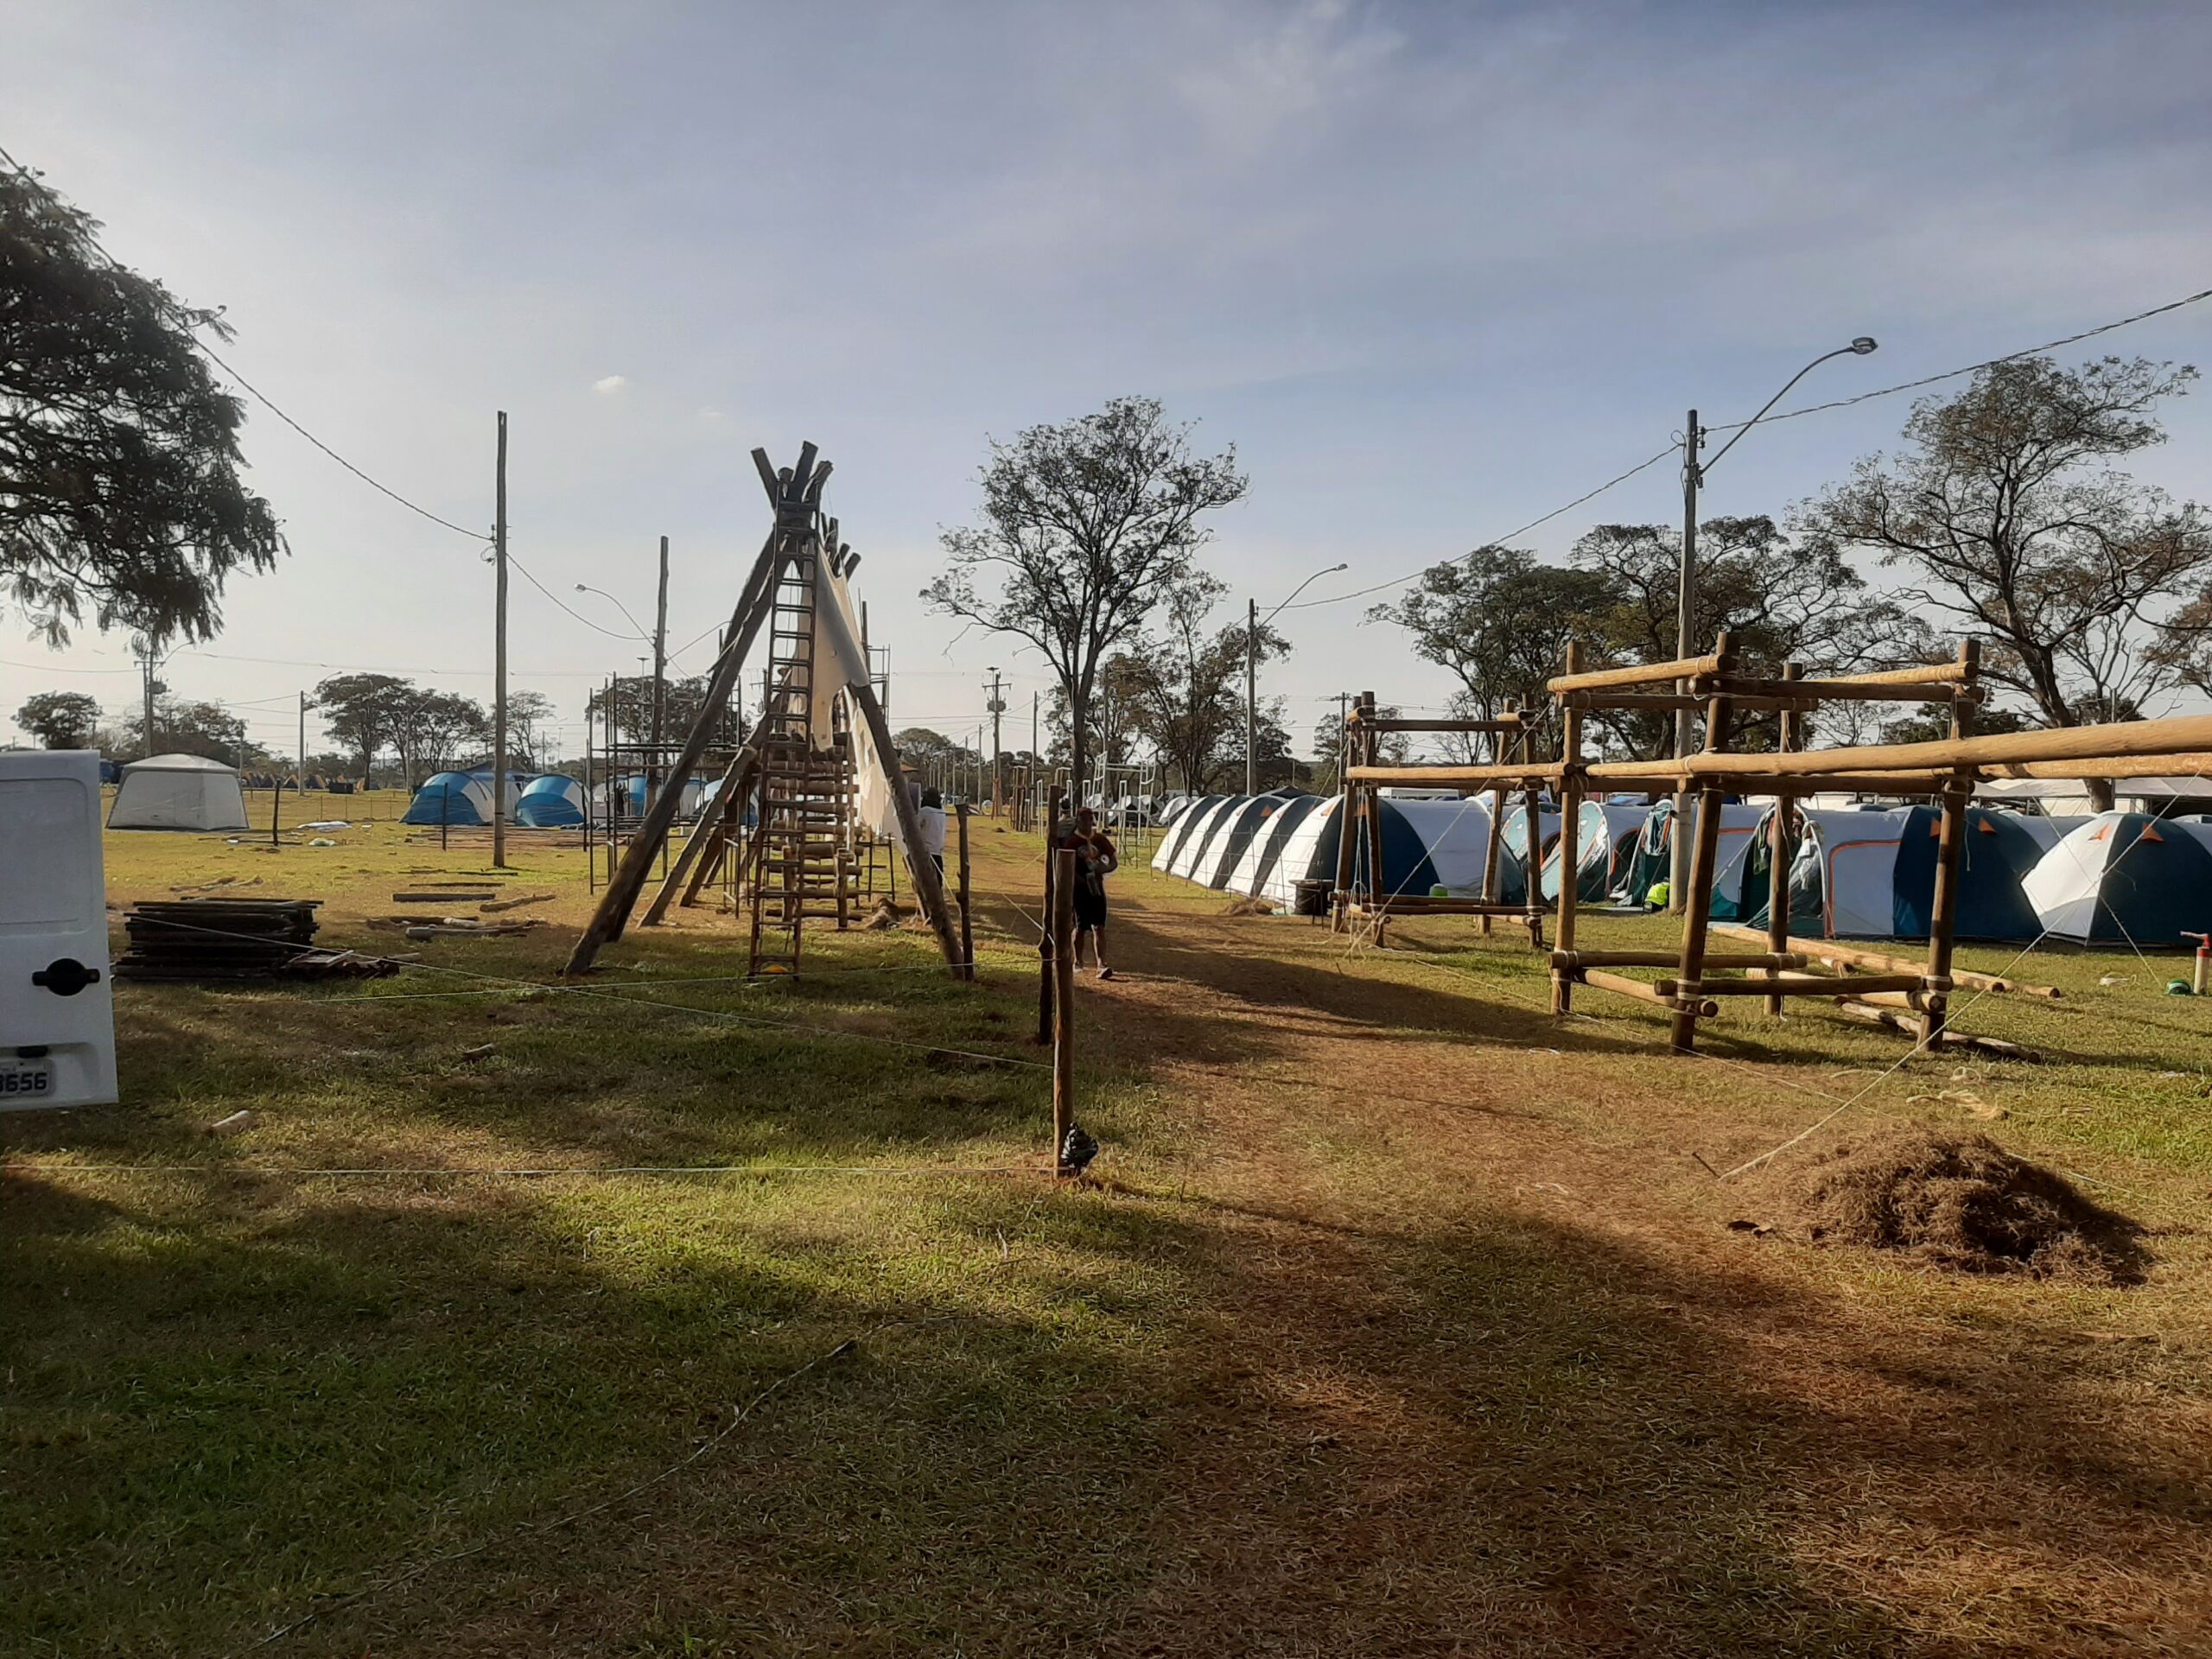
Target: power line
point(1811, 408)
point(559, 604)
point(1975, 368)
point(262, 397)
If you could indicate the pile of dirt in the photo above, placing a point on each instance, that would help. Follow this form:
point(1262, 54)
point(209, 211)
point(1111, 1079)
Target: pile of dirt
point(1962, 1202)
point(1248, 907)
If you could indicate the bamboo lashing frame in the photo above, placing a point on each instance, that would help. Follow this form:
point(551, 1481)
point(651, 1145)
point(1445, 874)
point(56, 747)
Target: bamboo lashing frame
point(1945, 769)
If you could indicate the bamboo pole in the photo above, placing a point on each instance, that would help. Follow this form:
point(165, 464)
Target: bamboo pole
point(967, 913)
point(2180, 735)
point(1683, 668)
point(1621, 986)
point(1570, 873)
point(1781, 845)
point(1063, 1003)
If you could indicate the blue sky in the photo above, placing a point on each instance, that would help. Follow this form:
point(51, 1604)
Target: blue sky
point(1433, 270)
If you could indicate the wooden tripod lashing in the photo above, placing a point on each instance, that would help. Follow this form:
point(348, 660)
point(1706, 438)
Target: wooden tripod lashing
point(799, 532)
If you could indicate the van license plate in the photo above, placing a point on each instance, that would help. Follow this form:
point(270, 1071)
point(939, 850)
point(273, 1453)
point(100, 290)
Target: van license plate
point(19, 1082)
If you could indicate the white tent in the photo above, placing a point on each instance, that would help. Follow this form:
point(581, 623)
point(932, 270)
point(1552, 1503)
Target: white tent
point(1204, 825)
point(178, 791)
point(1256, 869)
point(1179, 833)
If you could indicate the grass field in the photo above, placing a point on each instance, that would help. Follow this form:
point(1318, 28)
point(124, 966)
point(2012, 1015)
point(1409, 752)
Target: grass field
point(1397, 1317)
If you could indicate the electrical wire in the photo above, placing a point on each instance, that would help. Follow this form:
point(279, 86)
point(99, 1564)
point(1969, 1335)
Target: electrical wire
point(561, 604)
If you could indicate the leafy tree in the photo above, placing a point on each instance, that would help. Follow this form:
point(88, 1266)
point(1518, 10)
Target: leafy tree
point(1085, 527)
point(1783, 601)
point(195, 727)
point(120, 462)
point(1930, 723)
point(2008, 517)
point(429, 728)
point(1186, 684)
point(527, 711)
point(360, 712)
point(1501, 622)
point(1396, 748)
point(60, 720)
point(631, 707)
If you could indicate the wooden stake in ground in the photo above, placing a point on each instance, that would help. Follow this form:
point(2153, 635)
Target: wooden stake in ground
point(967, 927)
point(1782, 844)
point(1062, 937)
point(1570, 873)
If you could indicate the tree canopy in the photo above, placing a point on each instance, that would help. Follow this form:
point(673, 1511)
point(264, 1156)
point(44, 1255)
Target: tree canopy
point(60, 720)
point(120, 493)
point(1085, 527)
point(2007, 518)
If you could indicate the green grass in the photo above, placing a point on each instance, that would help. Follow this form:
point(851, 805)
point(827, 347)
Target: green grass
point(1431, 1338)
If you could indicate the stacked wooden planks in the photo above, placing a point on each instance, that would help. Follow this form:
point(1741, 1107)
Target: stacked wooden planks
point(216, 939)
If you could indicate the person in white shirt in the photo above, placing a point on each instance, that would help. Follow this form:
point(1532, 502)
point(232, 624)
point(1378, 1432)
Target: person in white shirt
point(930, 816)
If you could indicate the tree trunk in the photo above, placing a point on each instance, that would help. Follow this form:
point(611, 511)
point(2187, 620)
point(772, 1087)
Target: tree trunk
point(1078, 750)
point(2100, 793)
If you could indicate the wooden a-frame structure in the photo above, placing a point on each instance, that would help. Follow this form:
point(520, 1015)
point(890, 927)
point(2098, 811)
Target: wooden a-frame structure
point(800, 540)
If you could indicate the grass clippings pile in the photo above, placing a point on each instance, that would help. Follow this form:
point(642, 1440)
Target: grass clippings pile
point(1962, 1202)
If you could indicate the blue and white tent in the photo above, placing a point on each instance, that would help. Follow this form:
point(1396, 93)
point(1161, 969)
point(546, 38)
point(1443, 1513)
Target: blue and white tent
point(451, 798)
point(1604, 841)
point(552, 801)
point(2125, 878)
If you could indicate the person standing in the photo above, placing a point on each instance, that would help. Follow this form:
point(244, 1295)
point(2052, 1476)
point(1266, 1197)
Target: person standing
point(931, 816)
point(1096, 858)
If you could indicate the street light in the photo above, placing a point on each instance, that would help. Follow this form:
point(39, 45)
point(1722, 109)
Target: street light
point(1693, 474)
point(1252, 674)
point(583, 588)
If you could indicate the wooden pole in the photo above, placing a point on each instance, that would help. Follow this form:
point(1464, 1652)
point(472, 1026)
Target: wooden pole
point(1046, 967)
point(1781, 844)
point(1341, 899)
point(928, 887)
point(499, 656)
point(1570, 871)
point(730, 809)
point(796, 495)
point(967, 926)
point(1532, 885)
point(1950, 853)
point(1371, 808)
point(1062, 937)
point(1697, 914)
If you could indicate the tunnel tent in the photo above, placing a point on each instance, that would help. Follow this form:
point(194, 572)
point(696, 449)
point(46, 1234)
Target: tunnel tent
point(1255, 869)
point(453, 799)
point(1173, 808)
point(1236, 836)
point(1870, 873)
point(628, 797)
point(552, 801)
point(178, 791)
point(1604, 841)
point(1179, 832)
point(1204, 829)
point(2125, 878)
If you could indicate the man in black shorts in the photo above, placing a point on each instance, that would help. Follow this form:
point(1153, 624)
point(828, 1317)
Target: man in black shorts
point(1096, 858)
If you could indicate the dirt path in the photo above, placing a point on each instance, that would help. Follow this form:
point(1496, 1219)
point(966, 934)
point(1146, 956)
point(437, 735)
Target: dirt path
point(1484, 1382)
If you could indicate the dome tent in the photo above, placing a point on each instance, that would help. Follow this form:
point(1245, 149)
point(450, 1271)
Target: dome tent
point(2125, 878)
point(178, 791)
point(1604, 843)
point(1426, 844)
point(552, 801)
point(629, 797)
point(1871, 873)
point(451, 798)
point(1652, 858)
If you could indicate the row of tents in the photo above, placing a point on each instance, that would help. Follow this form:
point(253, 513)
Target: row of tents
point(1868, 872)
point(542, 801)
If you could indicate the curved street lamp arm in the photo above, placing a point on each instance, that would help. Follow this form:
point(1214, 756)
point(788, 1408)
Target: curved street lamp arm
point(1300, 588)
point(1851, 350)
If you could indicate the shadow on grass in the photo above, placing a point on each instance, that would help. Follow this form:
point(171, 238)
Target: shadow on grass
point(1142, 1427)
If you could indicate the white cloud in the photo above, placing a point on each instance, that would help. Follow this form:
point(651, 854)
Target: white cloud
point(712, 414)
point(610, 385)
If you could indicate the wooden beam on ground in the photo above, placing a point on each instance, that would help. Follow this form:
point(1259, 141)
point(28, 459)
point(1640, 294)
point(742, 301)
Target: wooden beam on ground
point(1799, 985)
point(1729, 959)
point(1861, 957)
point(1620, 985)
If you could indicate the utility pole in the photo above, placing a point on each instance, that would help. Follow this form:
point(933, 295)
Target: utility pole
point(499, 657)
point(660, 646)
point(1252, 696)
point(303, 740)
point(148, 661)
point(1343, 734)
point(998, 709)
point(1685, 644)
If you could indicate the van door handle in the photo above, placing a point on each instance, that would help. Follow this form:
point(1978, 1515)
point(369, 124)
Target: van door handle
point(66, 976)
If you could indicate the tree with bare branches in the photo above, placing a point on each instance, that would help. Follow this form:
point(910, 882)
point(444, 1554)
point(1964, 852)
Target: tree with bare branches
point(1085, 527)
